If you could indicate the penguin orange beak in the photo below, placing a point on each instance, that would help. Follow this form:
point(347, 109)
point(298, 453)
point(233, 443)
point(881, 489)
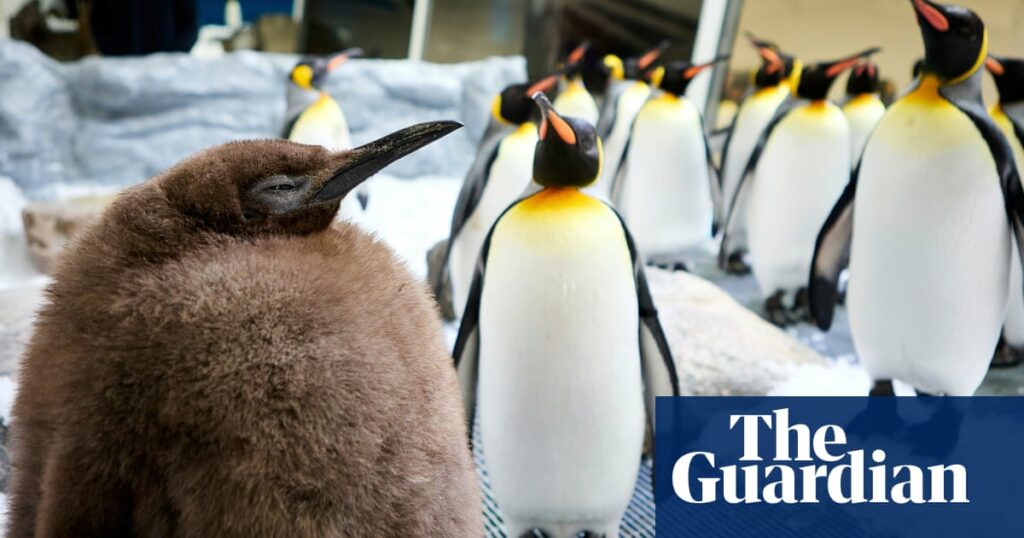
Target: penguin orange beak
point(545, 84)
point(550, 117)
point(931, 14)
point(358, 164)
point(652, 55)
point(577, 54)
point(994, 66)
point(839, 66)
point(696, 69)
point(336, 61)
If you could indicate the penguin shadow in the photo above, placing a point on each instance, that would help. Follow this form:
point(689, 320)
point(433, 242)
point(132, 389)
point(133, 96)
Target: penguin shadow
point(935, 437)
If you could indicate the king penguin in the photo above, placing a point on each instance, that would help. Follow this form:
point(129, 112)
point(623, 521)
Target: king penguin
point(794, 175)
point(667, 188)
point(1008, 115)
point(500, 175)
point(627, 92)
point(218, 357)
point(925, 224)
point(863, 108)
point(574, 99)
point(314, 117)
point(561, 349)
point(773, 83)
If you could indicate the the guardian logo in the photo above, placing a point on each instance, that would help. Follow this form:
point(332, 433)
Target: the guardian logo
point(817, 469)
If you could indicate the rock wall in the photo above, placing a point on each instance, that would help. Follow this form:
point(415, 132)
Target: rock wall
point(118, 121)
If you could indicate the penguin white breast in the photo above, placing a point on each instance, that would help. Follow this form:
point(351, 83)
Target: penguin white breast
point(631, 100)
point(802, 172)
point(508, 177)
point(754, 115)
point(665, 197)
point(1013, 328)
point(322, 123)
point(930, 253)
point(863, 113)
point(576, 101)
point(560, 387)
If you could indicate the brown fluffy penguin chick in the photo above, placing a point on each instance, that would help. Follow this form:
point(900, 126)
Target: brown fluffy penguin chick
point(216, 359)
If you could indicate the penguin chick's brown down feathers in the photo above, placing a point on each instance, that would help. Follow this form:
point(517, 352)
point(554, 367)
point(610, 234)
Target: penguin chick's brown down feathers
point(212, 362)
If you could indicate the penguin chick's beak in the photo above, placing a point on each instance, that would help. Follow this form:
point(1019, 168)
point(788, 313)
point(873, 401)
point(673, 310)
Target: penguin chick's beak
point(931, 14)
point(343, 57)
point(994, 66)
point(550, 117)
point(839, 66)
point(369, 159)
point(695, 70)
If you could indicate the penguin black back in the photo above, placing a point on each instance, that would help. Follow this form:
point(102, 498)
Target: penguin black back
point(216, 358)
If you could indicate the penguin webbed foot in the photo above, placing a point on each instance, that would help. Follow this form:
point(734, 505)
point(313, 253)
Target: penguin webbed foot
point(800, 310)
point(668, 264)
point(1006, 355)
point(736, 265)
point(775, 311)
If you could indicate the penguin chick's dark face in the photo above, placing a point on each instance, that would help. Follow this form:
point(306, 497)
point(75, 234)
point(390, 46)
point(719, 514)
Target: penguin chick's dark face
point(816, 80)
point(568, 153)
point(863, 79)
point(955, 41)
point(279, 187)
point(514, 104)
point(1009, 76)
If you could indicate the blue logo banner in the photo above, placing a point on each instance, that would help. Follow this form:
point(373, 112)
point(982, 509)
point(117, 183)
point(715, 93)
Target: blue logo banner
point(836, 467)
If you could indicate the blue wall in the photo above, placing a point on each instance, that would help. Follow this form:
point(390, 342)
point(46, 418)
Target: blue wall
point(212, 11)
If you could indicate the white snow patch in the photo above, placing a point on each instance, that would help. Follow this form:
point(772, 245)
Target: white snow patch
point(7, 391)
point(411, 215)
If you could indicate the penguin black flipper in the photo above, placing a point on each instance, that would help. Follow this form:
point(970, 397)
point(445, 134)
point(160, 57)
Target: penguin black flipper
point(725, 150)
point(715, 179)
point(659, 368)
point(471, 192)
point(606, 119)
point(744, 184)
point(466, 352)
point(287, 132)
point(967, 98)
point(620, 173)
point(831, 256)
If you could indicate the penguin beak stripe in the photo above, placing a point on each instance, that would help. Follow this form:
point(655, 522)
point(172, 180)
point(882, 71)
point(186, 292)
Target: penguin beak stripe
point(543, 84)
point(371, 158)
point(693, 71)
point(931, 14)
point(651, 56)
point(562, 128)
point(340, 59)
point(839, 67)
point(772, 57)
point(577, 53)
point(994, 66)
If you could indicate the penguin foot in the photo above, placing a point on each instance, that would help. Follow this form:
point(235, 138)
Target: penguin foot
point(882, 387)
point(734, 265)
point(1006, 356)
point(589, 534)
point(775, 311)
point(534, 533)
point(800, 312)
point(669, 265)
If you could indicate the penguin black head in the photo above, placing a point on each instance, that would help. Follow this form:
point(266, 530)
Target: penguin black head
point(1009, 76)
point(817, 79)
point(514, 104)
point(311, 71)
point(676, 76)
point(773, 63)
point(569, 151)
point(274, 186)
point(955, 40)
point(918, 67)
point(863, 79)
point(635, 67)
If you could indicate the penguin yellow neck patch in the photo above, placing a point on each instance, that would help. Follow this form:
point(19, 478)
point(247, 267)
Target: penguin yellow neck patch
point(556, 219)
point(926, 93)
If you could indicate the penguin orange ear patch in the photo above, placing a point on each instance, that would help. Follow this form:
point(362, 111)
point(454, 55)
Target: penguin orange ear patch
point(561, 127)
point(934, 17)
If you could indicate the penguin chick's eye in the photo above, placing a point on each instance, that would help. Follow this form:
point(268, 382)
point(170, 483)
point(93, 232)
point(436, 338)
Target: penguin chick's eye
point(282, 187)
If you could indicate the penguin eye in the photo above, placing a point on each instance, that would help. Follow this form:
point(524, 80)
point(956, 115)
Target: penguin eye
point(282, 187)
